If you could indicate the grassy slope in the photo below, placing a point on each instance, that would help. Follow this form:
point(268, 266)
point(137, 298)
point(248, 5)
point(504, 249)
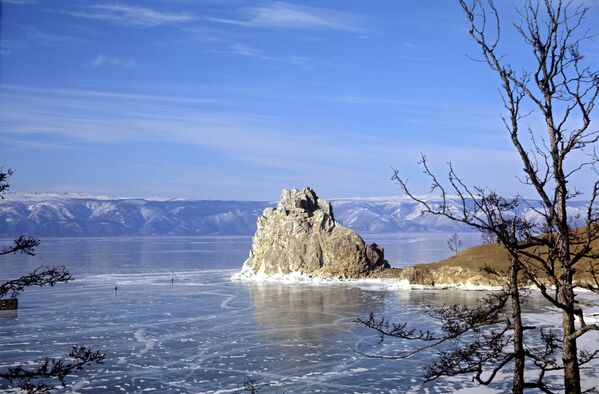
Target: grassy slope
point(492, 255)
point(475, 257)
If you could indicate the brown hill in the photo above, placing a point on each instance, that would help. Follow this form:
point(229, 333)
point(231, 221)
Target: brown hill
point(467, 268)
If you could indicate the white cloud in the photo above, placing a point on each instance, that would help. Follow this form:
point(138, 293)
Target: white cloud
point(22, 91)
point(270, 15)
point(19, 2)
point(102, 60)
point(31, 36)
point(264, 147)
point(39, 37)
point(73, 115)
point(290, 16)
point(131, 16)
point(244, 50)
point(240, 49)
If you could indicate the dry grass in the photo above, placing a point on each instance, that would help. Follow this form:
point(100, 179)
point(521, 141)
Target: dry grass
point(476, 257)
point(497, 258)
point(468, 265)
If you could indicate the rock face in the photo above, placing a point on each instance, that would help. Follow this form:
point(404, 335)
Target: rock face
point(300, 236)
point(446, 276)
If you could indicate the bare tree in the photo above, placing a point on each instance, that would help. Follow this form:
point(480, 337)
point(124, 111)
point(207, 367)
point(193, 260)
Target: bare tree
point(454, 243)
point(491, 213)
point(562, 92)
point(35, 379)
point(23, 244)
point(488, 237)
point(478, 341)
point(4, 175)
point(42, 276)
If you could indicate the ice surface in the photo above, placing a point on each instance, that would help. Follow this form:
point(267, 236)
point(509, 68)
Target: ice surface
point(206, 333)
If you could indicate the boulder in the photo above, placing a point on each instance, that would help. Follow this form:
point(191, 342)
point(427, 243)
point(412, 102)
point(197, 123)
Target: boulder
point(300, 236)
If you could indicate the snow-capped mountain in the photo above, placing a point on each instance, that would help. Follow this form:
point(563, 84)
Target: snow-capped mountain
point(83, 215)
point(72, 215)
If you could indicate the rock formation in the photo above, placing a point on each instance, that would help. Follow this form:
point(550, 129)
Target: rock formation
point(300, 236)
point(449, 277)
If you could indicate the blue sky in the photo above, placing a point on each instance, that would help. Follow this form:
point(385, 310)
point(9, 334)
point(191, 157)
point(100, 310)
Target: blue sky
point(226, 99)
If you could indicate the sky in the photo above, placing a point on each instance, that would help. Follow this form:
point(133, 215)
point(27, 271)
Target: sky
point(228, 99)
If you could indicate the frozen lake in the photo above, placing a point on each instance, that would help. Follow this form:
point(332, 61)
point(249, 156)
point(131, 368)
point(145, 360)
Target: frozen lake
point(204, 333)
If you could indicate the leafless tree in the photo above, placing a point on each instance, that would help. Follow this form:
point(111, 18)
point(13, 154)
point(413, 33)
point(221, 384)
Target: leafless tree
point(564, 91)
point(35, 379)
point(478, 341)
point(454, 243)
point(23, 244)
point(41, 276)
point(493, 214)
point(561, 91)
point(4, 175)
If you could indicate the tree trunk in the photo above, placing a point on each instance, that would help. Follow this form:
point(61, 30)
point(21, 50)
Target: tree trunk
point(518, 382)
point(570, 352)
point(566, 293)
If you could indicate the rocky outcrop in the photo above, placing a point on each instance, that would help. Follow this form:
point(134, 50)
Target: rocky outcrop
point(448, 276)
point(300, 236)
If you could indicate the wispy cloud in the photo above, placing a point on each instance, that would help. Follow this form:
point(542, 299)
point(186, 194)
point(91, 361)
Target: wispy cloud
point(19, 2)
point(7, 46)
point(37, 36)
point(131, 15)
point(91, 117)
point(25, 144)
point(290, 16)
point(309, 62)
point(247, 145)
point(271, 15)
point(102, 60)
point(240, 49)
point(244, 50)
point(31, 36)
point(22, 91)
point(353, 99)
point(98, 117)
point(417, 59)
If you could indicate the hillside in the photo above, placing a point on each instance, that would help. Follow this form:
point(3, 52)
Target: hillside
point(72, 215)
point(467, 267)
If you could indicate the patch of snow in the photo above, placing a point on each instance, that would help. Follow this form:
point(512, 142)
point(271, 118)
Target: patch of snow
point(148, 343)
point(247, 275)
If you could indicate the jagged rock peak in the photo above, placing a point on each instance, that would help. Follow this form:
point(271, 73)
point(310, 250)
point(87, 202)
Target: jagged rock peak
point(300, 236)
point(306, 200)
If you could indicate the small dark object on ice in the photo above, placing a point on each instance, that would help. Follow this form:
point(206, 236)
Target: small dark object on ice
point(253, 386)
point(9, 304)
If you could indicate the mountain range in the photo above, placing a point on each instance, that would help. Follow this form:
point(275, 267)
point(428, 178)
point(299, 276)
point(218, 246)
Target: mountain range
point(78, 215)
